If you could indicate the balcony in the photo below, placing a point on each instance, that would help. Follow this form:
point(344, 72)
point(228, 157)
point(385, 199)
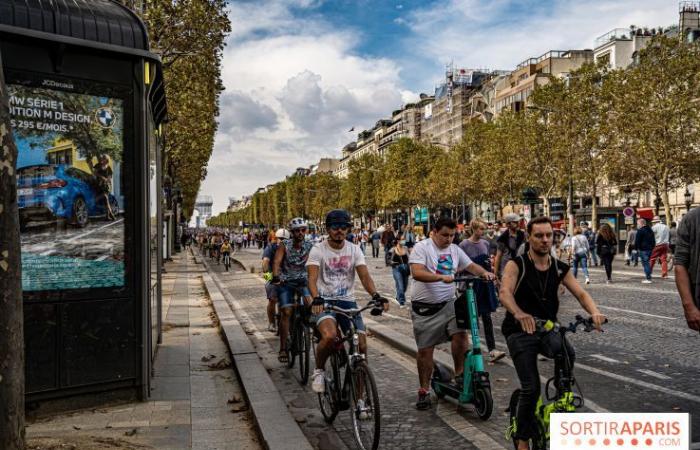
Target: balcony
point(617, 34)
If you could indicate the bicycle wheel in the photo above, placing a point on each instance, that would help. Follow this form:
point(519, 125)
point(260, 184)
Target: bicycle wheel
point(364, 407)
point(304, 353)
point(328, 401)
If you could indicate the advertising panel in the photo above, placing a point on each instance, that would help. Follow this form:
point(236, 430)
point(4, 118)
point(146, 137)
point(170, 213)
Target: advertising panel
point(70, 196)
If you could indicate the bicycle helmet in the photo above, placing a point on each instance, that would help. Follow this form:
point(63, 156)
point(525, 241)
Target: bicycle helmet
point(338, 217)
point(297, 223)
point(282, 234)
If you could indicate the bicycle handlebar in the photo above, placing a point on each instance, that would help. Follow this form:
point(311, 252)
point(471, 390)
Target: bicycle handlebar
point(468, 278)
point(548, 325)
point(351, 312)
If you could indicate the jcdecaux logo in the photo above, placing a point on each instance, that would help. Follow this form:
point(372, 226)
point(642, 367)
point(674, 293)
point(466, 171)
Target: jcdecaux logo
point(620, 431)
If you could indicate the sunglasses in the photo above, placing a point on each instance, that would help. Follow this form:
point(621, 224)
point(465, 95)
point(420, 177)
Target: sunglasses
point(339, 227)
point(301, 230)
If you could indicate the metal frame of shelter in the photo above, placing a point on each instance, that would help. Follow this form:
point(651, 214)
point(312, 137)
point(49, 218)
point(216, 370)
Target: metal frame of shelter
point(97, 340)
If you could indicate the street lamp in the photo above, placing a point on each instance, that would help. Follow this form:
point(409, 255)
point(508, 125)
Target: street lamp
point(688, 198)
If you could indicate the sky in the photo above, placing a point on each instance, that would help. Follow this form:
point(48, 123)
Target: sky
point(298, 74)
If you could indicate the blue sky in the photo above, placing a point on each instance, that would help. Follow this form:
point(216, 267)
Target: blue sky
point(300, 73)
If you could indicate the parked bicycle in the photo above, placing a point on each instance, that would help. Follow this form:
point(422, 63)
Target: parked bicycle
point(350, 383)
point(563, 399)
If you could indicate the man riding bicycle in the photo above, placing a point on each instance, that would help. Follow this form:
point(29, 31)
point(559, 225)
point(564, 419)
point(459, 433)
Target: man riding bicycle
point(289, 273)
point(225, 250)
point(270, 289)
point(529, 291)
point(331, 267)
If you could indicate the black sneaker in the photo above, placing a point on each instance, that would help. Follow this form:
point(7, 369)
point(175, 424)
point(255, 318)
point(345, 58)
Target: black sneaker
point(423, 402)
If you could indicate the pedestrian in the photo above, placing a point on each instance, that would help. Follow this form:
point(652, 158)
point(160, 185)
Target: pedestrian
point(580, 249)
point(672, 239)
point(375, 238)
point(645, 243)
point(387, 239)
point(477, 249)
point(509, 242)
point(606, 247)
point(687, 267)
point(364, 237)
point(591, 236)
point(400, 270)
point(631, 253)
point(662, 238)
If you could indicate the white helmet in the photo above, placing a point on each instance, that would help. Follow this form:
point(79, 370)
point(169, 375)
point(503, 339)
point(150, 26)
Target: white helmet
point(282, 234)
point(297, 223)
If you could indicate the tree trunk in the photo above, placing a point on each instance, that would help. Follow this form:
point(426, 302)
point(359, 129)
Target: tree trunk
point(666, 200)
point(594, 211)
point(11, 315)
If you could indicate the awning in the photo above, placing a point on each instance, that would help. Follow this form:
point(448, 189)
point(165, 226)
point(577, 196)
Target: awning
point(645, 213)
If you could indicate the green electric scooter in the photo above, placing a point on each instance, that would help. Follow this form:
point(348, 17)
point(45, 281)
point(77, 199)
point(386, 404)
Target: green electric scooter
point(474, 387)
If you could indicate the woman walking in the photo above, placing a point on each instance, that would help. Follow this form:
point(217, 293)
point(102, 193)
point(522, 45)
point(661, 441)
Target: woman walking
point(580, 249)
point(477, 249)
point(400, 270)
point(606, 245)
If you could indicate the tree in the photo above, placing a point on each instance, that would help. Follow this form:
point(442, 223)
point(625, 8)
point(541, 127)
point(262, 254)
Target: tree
point(656, 115)
point(11, 314)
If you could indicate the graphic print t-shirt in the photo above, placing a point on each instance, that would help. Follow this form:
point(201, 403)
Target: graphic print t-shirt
point(336, 269)
point(294, 262)
point(445, 261)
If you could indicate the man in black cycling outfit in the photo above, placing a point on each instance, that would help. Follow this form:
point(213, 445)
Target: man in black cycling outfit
point(529, 290)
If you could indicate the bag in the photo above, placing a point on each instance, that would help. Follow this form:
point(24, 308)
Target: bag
point(427, 309)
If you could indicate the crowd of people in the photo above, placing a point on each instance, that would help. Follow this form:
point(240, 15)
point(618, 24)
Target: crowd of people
point(523, 268)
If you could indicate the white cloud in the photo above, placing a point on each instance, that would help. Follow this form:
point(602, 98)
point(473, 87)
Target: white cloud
point(293, 90)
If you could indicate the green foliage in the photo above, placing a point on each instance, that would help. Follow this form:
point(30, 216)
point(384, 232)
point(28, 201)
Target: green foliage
point(189, 37)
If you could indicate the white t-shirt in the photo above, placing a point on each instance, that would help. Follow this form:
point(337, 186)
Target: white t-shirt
point(447, 261)
point(336, 269)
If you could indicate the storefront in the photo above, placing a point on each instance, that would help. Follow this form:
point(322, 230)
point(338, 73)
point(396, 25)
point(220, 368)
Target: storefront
point(87, 102)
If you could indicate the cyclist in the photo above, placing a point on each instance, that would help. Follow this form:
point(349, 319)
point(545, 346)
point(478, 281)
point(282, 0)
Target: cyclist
point(433, 262)
point(289, 274)
point(331, 267)
point(225, 250)
point(270, 289)
point(529, 290)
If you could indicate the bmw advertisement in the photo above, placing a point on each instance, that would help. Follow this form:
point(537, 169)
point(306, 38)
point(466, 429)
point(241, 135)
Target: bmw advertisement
point(69, 187)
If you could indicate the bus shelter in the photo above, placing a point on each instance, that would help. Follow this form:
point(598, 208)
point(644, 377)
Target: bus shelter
point(87, 103)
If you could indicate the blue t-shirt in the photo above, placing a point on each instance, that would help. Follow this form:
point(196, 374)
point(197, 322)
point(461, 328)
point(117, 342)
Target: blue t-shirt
point(270, 251)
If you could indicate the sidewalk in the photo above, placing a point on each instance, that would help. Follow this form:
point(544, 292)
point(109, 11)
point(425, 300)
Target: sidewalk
point(196, 398)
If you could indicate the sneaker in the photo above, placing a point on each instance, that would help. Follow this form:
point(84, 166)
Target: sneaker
point(495, 355)
point(423, 402)
point(271, 327)
point(362, 410)
point(318, 385)
point(588, 280)
point(646, 281)
point(608, 281)
point(402, 306)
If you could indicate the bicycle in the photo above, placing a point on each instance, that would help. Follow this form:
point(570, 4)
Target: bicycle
point(299, 339)
point(355, 390)
point(564, 399)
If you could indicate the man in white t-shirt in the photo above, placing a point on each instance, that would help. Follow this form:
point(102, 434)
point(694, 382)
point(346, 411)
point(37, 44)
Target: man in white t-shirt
point(331, 268)
point(434, 261)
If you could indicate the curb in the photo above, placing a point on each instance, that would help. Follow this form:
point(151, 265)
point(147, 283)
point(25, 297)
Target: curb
point(277, 428)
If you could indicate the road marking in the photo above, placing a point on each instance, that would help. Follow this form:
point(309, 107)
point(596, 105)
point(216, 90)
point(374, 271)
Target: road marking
point(79, 236)
point(642, 288)
point(637, 312)
point(605, 358)
point(651, 373)
point(627, 272)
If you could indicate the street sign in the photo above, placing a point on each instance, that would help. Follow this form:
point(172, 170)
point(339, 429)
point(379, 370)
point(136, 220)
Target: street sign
point(629, 220)
point(628, 212)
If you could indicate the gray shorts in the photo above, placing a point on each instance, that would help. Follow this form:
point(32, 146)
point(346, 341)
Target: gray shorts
point(271, 291)
point(436, 329)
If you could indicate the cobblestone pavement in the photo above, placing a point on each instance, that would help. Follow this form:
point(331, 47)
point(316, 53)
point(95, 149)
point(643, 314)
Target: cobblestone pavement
point(196, 400)
point(647, 360)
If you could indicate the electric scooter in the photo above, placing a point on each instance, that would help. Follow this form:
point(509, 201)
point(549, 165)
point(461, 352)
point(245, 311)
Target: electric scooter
point(475, 387)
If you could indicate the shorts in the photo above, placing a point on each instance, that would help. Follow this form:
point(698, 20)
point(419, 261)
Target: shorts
point(672, 247)
point(285, 294)
point(430, 331)
point(271, 291)
point(342, 320)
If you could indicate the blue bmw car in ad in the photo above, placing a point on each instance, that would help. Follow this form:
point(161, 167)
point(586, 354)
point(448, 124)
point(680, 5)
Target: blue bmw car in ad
point(51, 192)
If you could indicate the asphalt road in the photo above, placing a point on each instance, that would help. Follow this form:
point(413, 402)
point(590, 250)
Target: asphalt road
point(647, 360)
